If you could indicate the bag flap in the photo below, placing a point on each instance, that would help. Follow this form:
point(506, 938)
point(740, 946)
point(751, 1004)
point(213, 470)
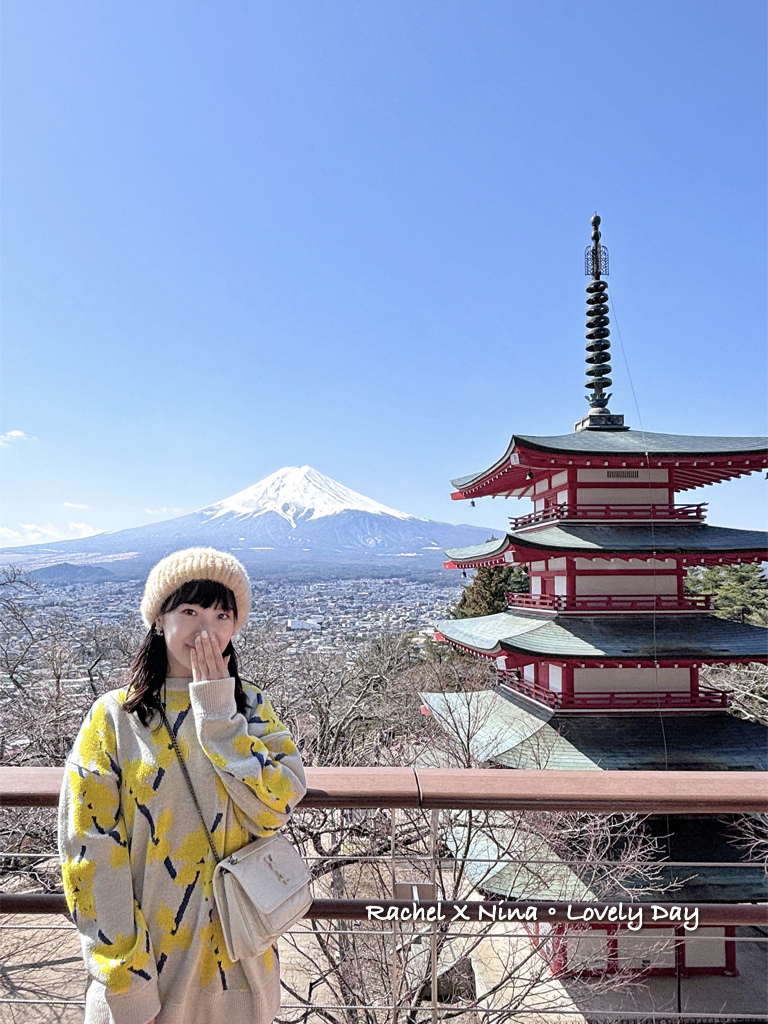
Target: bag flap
point(270, 870)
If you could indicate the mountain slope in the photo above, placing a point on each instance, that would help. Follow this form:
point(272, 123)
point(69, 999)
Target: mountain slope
point(296, 514)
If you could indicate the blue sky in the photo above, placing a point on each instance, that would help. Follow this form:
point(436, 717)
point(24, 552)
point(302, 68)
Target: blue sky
point(244, 235)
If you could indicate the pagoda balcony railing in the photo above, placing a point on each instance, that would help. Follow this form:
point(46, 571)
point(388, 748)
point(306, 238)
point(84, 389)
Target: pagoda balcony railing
point(611, 602)
point(594, 700)
point(612, 512)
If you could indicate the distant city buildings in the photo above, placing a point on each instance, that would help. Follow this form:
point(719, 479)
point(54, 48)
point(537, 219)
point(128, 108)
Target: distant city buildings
point(317, 616)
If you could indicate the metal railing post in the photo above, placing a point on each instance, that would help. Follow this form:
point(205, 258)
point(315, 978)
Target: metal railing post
point(392, 813)
point(433, 879)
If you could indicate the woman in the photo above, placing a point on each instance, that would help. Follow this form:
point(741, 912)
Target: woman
point(136, 863)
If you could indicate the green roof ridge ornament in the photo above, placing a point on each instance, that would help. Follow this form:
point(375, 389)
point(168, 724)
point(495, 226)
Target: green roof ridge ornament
point(598, 344)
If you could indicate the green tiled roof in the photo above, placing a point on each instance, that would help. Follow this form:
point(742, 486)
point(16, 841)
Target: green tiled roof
point(517, 864)
point(483, 721)
point(509, 864)
point(643, 537)
point(486, 550)
point(637, 442)
point(616, 637)
point(485, 632)
point(706, 741)
point(701, 839)
point(615, 537)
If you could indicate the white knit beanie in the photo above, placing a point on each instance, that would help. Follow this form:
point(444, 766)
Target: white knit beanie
point(195, 564)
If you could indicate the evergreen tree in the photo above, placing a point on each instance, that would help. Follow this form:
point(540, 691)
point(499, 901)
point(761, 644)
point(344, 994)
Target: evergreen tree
point(486, 593)
point(739, 592)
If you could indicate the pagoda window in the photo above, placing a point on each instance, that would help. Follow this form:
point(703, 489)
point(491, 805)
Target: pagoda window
point(529, 673)
point(535, 584)
point(642, 495)
point(560, 479)
point(557, 563)
point(560, 585)
point(538, 566)
point(622, 680)
point(542, 485)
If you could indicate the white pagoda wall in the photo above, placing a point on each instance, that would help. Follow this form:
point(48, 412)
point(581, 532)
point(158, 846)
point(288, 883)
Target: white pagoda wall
point(666, 584)
point(654, 947)
point(552, 675)
point(621, 564)
point(622, 496)
point(620, 680)
point(701, 950)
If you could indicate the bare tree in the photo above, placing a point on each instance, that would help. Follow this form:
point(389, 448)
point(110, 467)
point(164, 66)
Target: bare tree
point(747, 686)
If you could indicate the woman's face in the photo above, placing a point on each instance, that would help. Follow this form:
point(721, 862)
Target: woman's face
point(184, 624)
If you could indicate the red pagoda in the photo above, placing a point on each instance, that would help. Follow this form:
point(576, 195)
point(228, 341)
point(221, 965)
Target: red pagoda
point(607, 624)
point(602, 656)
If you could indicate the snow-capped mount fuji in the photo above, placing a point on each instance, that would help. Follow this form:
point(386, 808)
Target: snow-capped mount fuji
point(300, 508)
point(299, 492)
point(295, 516)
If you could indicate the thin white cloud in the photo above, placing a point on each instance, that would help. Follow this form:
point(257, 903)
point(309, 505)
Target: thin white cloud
point(73, 504)
point(37, 533)
point(12, 436)
point(81, 529)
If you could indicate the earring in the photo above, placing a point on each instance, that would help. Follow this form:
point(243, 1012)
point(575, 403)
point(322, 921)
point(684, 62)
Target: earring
point(158, 631)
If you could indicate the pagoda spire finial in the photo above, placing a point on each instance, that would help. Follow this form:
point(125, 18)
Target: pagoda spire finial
point(598, 345)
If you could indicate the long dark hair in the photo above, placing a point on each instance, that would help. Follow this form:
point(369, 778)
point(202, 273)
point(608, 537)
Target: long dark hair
point(146, 676)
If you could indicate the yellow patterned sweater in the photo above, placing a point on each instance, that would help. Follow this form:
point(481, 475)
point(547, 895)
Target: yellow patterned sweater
point(136, 864)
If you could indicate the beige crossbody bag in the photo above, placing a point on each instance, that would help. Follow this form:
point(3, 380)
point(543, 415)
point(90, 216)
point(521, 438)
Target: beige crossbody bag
point(259, 891)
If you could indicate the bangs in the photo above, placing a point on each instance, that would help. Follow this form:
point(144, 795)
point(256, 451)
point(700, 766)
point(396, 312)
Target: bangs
point(206, 593)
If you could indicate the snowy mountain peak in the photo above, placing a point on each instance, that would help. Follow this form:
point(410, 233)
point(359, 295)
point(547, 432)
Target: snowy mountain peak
point(298, 492)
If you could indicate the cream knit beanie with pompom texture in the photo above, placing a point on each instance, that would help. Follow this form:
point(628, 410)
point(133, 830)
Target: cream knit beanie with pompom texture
point(195, 564)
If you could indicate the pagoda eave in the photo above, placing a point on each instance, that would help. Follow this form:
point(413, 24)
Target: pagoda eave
point(518, 659)
point(693, 545)
point(527, 459)
point(616, 639)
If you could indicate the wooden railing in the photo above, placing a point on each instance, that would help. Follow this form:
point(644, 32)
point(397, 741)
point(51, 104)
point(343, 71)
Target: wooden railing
point(434, 789)
point(611, 602)
point(595, 700)
point(482, 789)
point(615, 512)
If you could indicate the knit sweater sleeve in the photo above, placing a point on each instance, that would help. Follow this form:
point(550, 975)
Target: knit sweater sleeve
point(253, 754)
point(94, 850)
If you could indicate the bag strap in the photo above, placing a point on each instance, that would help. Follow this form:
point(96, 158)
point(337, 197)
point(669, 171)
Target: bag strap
point(189, 784)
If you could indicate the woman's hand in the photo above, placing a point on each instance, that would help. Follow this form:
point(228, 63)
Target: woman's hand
point(207, 661)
